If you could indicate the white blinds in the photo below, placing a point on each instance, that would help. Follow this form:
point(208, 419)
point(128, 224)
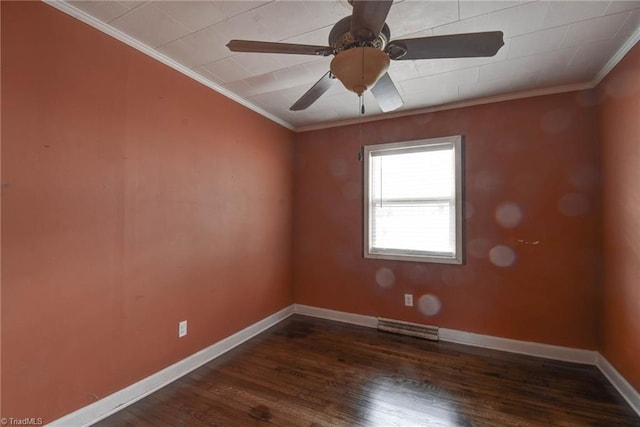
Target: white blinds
point(412, 200)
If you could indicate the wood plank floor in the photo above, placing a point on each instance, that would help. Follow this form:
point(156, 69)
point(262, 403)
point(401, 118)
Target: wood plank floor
point(311, 372)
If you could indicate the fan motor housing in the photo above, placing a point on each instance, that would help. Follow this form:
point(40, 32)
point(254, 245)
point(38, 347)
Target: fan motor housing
point(341, 38)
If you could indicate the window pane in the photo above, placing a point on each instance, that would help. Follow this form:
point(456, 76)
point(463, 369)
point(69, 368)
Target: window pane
point(424, 228)
point(425, 174)
point(412, 203)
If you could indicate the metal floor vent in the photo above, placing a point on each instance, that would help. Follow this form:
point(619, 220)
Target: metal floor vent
point(407, 328)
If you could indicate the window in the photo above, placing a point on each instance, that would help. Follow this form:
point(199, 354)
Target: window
point(413, 200)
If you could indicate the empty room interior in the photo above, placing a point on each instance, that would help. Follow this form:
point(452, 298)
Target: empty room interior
point(320, 213)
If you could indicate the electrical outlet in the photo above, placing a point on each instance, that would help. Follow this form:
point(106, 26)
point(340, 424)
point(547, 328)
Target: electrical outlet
point(182, 328)
point(408, 300)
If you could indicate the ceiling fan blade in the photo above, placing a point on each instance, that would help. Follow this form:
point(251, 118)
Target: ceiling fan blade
point(450, 46)
point(316, 91)
point(269, 47)
point(386, 94)
point(368, 18)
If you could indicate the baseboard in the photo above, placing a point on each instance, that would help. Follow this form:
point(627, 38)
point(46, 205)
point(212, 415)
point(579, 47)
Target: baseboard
point(338, 316)
point(104, 407)
point(566, 354)
point(119, 400)
point(627, 391)
point(477, 340)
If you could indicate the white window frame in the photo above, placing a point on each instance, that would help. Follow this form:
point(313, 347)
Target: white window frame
point(456, 142)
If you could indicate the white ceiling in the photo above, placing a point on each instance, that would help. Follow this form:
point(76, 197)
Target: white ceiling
point(549, 46)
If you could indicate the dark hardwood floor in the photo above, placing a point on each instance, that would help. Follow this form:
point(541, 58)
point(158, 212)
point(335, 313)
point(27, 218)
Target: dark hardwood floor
point(311, 372)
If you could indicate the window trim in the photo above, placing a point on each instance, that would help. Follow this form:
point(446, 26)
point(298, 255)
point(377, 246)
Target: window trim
point(369, 151)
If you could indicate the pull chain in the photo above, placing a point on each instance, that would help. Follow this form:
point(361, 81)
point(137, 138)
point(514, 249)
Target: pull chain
point(361, 95)
point(361, 111)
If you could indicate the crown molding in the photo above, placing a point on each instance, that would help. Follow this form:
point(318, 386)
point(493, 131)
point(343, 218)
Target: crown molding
point(463, 104)
point(119, 35)
point(604, 71)
point(617, 57)
point(124, 38)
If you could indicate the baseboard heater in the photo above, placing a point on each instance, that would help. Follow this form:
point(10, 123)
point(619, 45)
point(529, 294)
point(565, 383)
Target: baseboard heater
point(407, 328)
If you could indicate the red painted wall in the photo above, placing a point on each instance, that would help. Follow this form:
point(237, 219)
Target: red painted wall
point(620, 140)
point(133, 198)
point(536, 156)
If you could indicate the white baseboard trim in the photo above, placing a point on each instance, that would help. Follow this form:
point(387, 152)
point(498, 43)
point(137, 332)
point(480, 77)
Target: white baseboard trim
point(467, 338)
point(119, 400)
point(565, 354)
point(627, 391)
point(114, 402)
point(338, 316)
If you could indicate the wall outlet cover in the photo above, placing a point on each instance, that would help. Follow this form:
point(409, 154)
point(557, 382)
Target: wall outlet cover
point(408, 300)
point(182, 329)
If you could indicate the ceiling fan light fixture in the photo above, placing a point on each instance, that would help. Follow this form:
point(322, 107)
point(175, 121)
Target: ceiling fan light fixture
point(359, 68)
point(363, 49)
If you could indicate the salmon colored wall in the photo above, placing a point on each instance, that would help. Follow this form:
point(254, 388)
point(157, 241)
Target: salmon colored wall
point(0, 217)
point(536, 156)
point(133, 198)
point(620, 139)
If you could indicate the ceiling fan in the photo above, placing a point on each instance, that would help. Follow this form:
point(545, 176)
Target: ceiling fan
point(362, 48)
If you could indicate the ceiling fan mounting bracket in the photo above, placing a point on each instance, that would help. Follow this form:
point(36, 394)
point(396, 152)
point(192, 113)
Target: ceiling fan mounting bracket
point(341, 38)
